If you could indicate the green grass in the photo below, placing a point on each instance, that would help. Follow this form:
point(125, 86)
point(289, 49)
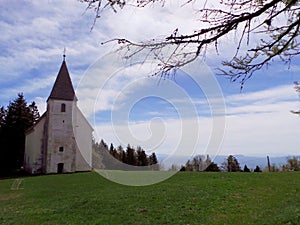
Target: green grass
point(186, 198)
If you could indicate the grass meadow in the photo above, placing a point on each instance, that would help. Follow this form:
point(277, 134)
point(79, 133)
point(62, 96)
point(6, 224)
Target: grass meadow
point(186, 198)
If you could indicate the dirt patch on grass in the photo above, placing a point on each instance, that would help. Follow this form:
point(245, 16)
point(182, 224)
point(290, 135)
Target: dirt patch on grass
point(8, 197)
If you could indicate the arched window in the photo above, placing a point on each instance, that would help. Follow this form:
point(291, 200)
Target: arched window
point(63, 107)
point(61, 149)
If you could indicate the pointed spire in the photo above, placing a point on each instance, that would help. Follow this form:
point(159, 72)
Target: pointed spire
point(63, 88)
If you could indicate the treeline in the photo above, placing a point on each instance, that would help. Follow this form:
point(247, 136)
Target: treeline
point(200, 163)
point(292, 164)
point(15, 119)
point(231, 164)
point(102, 156)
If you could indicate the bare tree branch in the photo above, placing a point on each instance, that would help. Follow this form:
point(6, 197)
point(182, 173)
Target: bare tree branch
point(276, 21)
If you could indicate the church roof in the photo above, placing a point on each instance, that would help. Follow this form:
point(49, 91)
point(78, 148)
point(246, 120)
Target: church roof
point(63, 88)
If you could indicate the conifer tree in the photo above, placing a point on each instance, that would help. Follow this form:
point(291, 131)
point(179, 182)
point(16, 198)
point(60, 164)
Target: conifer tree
point(15, 120)
point(130, 156)
point(232, 164)
point(141, 157)
point(34, 112)
point(153, 159)
point(246, 169)
point(212, 167)
point(257, 169)
point(2, 116)
point(114, 152)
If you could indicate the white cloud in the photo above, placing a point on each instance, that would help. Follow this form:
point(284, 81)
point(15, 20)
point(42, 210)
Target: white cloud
point(32, 86)
point(280, 93)
point(33, 38)
point(254, 129)
point(151, 22)
point(262, 134)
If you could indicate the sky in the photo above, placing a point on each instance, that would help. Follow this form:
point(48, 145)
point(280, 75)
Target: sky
point(195, 112)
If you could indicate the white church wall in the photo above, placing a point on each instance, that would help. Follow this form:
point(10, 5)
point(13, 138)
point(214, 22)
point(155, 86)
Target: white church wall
point(33, 148)
point(83, 135)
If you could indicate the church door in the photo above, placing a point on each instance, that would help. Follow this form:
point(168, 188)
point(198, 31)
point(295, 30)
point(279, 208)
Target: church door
point(60, 168)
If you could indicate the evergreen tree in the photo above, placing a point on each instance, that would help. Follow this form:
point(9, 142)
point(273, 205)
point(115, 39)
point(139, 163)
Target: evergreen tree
point(257, 169)
point(208, 162)
point(153, 162)
point(15, 120)
point(212, 167)
point(113, 152)
point(104, 160)
point(3, 148)
point(182, 168)
point(141, 157)
point(232, 164)
point(153, 159)
point(2, 116)
point(246, 169)
point(200, 163)
point(2, 123)
point(122, 154)
point(130, 156)
point(111, 148)
point(34, 112)
point(103, 145)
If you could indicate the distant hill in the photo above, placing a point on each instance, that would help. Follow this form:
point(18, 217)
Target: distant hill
point(250, 161)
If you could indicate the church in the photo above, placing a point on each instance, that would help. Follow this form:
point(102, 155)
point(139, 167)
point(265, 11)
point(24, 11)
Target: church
point(61, 140)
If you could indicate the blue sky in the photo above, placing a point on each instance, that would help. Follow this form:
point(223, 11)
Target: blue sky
point(34, 34)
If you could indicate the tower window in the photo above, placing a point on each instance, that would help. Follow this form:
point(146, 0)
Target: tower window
point(61, 149)
point(63, 107)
